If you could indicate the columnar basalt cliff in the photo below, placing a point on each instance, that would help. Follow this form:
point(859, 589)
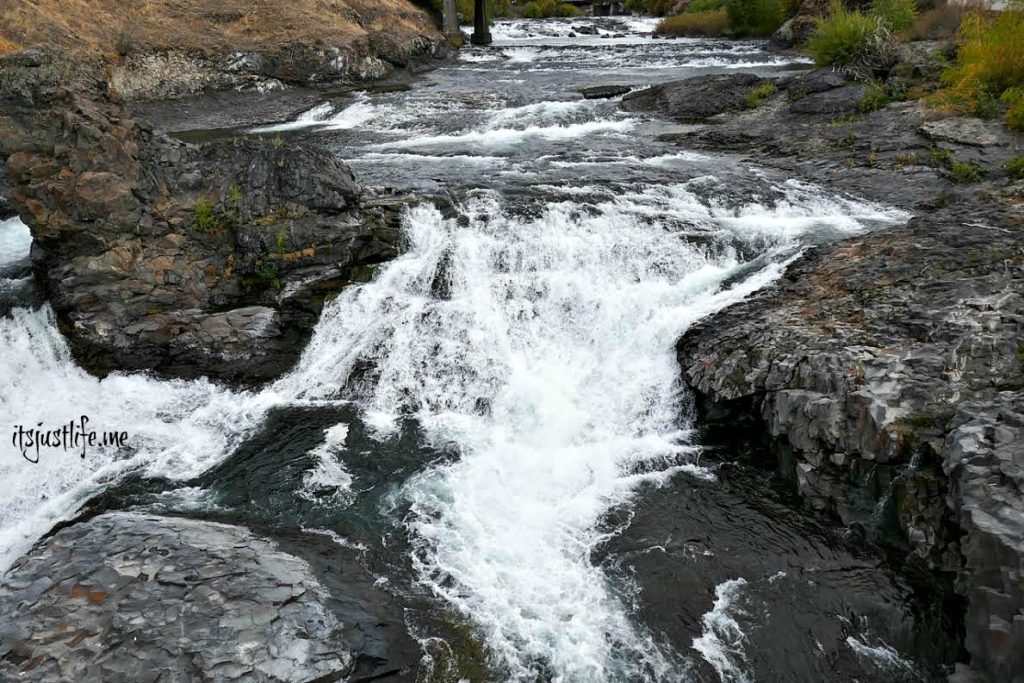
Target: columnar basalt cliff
point(186, 260)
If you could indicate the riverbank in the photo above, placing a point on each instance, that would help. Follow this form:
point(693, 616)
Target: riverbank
point(158, 50)
point(885, 372)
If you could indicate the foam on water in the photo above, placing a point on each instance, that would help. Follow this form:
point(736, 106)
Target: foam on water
point(721, 643)
point(548, 364)
point(324, 117)
point(506, 138)
point(882, 656)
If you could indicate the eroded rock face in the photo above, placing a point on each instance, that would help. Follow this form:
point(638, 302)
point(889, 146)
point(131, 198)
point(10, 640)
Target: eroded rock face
point(132, 598)
point(158, 255)
point(888, 367)
point(694, 99)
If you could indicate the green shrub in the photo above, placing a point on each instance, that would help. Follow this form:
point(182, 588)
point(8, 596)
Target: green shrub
point(709, 23)
point(899, 15)
point(758, 93)
point(1015, 167)
point(658, 8)
point(990, 64)
point(696, 6)
point(874, 99)
point(567, 10)
point(204, 214)
point(1013, 98)
point(754, 17)
point(964, 172)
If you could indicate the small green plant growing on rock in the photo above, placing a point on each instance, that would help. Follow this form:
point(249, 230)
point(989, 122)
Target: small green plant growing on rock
point(964, 172)
point(204, 215)
point(758, 93)
point(277, 142)
point(940, 155)
point(266, 274)
point(874, 99)
point(1015, 167)
point(235, 195)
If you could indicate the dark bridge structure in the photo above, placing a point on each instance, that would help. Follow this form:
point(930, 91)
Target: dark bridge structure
point(481, 22)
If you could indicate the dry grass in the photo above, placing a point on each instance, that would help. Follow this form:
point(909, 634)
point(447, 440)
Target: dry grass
point(938, 23)
point(708, 23)
point(989, 67)
point(207, 26)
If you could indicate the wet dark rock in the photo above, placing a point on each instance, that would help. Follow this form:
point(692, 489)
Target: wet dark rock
point(184, 260)
point(693, 99)
point(128, 597)
point(962, 130)
point(600, 92)
point(836, 102)
point(811, 83)
point(6, 210)
point(888, 369)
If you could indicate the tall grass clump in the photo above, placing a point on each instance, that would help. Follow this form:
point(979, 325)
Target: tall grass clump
point(859, 44)
point(899, 15)
point(989, 67)
point(706, 23)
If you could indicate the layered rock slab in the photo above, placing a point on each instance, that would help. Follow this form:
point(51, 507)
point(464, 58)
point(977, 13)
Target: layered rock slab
point(136, 597)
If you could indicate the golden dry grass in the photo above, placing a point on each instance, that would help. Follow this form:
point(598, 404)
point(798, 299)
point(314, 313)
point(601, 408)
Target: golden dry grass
point(208, 26)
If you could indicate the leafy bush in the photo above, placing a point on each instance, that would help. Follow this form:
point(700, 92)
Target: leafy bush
point(989, 67)
point(755, 17)
point(711, 23)
point(899, 15)
point(658, 8)
point(1015, 167)
point(758, 93)
point(859, 44)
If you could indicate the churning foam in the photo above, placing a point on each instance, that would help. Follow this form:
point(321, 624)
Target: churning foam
point(542, 350)
point(721, 643)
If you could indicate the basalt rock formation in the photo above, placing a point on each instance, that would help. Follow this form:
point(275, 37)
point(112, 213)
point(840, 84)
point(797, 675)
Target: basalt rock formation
point(185, 260)
point(886, 371)
point(134, 597)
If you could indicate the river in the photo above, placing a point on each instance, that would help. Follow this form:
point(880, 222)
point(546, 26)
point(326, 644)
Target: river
point(496, 423)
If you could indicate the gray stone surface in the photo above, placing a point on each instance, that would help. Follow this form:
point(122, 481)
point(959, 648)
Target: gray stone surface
point(694, 99)
point(132, 598)
point(600, 92)
point(963, 130)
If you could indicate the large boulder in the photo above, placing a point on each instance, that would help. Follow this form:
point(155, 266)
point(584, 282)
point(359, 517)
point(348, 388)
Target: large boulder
point(131, 598)
point(694, 99)
point(180, 259)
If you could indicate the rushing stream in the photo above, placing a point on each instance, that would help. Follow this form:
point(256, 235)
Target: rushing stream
point(481, 420)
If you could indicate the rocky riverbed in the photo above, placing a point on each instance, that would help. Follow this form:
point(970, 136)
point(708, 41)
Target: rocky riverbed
point(450, 432)
point(885, 371)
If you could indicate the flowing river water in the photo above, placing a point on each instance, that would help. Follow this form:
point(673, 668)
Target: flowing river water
point(495, 424)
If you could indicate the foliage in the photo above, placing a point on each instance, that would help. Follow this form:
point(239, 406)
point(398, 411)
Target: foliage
point(708, 23)
point(857, 43)
point(755, 17)
point(874, 99)
point(696, 6)
point(989, 67)
point(543, 9)
point(964, 172)
point(758, 93)
point(898, 15)
point(937, 23)
point(495, 8)
point(658, 8)
point(204, 214)
point(266, 274)
point(1015, 167)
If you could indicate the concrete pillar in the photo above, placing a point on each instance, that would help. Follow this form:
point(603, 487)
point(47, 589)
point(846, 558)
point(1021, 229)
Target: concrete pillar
point(481, 27)
point(451, 21)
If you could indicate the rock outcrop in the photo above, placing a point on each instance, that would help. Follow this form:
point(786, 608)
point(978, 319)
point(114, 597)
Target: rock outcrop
point(887, 370)
point(185, 260)
point(694, 99)
point(162, 49)
point(127, 598)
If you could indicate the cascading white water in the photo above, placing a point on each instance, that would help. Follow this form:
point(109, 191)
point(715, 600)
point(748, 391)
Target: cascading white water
point(548, 362)
point(536, 341)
